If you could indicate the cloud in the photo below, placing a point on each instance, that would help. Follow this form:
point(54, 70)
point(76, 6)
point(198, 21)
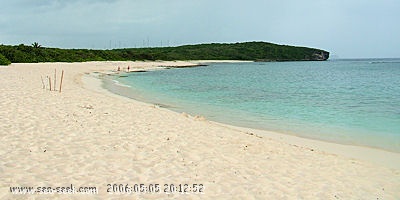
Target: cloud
point(351, 27)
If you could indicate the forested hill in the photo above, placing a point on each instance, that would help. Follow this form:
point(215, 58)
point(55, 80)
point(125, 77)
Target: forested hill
point(255, 51)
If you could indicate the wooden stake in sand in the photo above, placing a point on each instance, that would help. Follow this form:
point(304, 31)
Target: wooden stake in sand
point(62, 76)
point(42, 82)
point(50, 83)
point(55, 75)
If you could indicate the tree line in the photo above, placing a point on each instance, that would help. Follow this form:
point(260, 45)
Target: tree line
point(254, 51)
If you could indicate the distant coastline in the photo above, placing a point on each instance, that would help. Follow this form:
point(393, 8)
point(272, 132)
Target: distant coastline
point(247, 51)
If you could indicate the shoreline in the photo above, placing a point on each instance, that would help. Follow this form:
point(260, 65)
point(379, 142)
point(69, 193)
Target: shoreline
point(88, 136)
point(366, 153)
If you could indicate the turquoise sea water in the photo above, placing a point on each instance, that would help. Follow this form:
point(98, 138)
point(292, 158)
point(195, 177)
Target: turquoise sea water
point(344, 101)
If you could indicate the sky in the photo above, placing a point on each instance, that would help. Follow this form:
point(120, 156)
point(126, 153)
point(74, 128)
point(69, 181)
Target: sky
point(345, 28)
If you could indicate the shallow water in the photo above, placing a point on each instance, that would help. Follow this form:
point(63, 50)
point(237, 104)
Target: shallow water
point(345, 101)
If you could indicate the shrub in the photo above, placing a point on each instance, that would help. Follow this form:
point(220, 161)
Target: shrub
point(4, 60)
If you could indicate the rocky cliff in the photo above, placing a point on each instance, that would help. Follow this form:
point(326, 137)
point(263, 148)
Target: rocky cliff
point(320, 56)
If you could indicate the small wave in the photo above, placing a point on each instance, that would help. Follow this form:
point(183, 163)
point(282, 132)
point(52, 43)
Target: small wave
point(379, 62)
point(120, 84)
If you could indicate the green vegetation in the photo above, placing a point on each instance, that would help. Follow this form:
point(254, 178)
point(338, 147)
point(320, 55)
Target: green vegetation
point(4, 60)
point(36, 45)
point(256, 51)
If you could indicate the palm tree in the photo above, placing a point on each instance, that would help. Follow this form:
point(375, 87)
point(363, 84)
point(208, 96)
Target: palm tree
point(36, 45)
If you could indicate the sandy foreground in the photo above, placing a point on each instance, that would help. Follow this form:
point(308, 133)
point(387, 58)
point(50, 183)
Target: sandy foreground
point(85, 136)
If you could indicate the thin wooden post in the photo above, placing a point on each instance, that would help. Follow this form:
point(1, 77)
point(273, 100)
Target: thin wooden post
point(50, 82)
point(55, 75)
point(62, 76)
point(41, 77)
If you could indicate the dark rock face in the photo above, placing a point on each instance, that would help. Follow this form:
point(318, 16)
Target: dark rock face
point(319, 56)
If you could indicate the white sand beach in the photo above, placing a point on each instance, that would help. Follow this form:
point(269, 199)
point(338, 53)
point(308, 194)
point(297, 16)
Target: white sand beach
point(87, 136)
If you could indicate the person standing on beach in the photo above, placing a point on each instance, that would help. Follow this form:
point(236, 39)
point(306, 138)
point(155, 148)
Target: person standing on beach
point(128, 68)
